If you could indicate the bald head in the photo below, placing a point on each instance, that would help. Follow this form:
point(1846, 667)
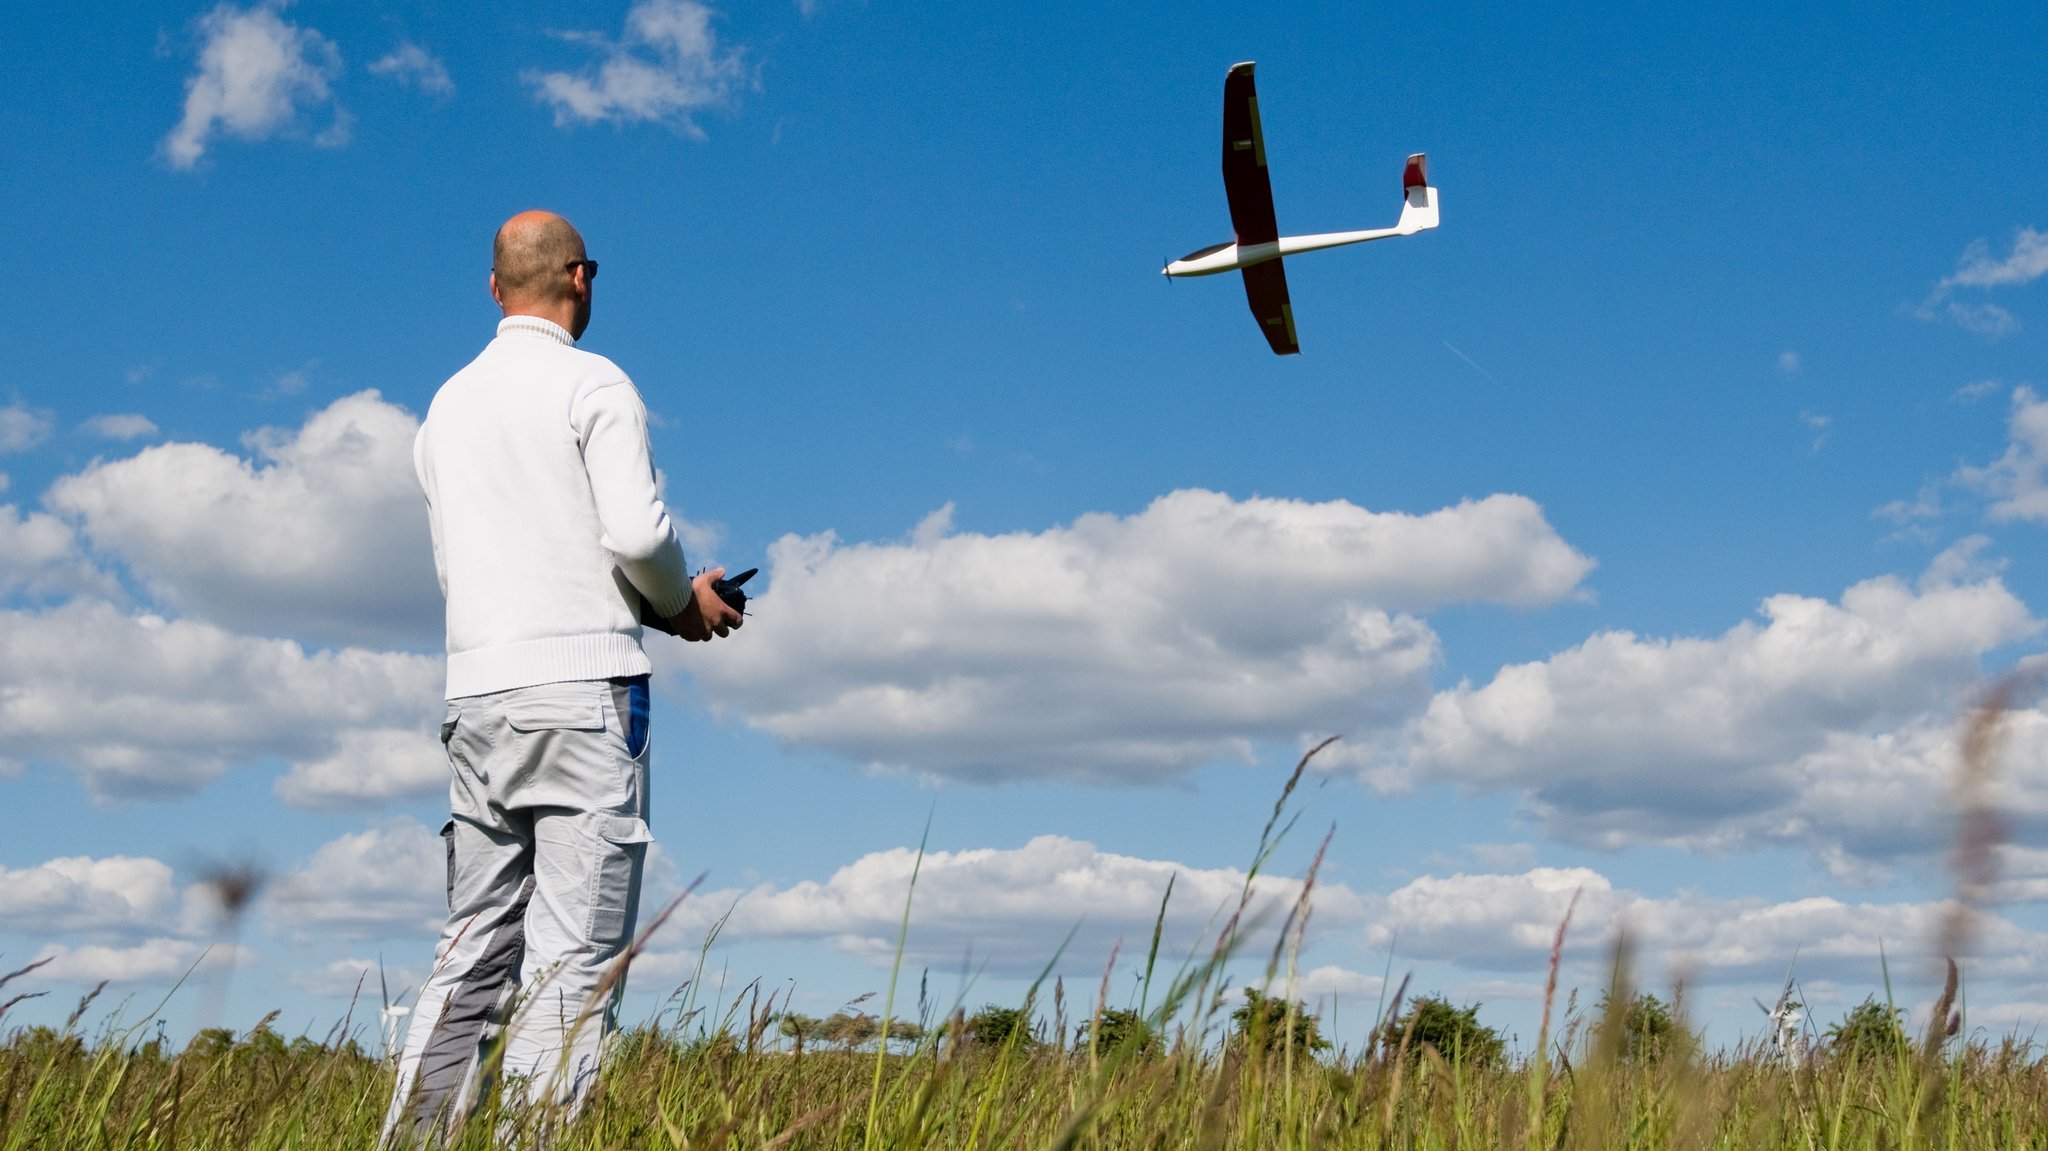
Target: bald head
point(531, 259)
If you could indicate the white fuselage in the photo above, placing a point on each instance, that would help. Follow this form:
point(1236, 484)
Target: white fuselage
point(1419, 214)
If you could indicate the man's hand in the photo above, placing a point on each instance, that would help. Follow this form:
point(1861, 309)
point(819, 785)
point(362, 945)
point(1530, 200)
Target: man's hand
point(705, 615)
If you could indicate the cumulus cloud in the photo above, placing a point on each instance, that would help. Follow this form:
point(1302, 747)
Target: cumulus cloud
point(1325, 982)
point(2017, 482)
point(1507, 922)
point(414, 67)
point(118, 894)
point(667, 65)
point(1121, 647)
point(357, 979)
point(2026, 262)
point(143, 705)
point(367, 769)
point(154, 961)
point(121, 426)
point(322, 535)
point(390, 880)
point(257, 75)
point(1714, 742)
point(1011, 907)
point(22, 427)
point(40, 556)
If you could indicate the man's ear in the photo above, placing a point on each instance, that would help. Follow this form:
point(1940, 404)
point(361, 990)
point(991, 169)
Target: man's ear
point(500, 300)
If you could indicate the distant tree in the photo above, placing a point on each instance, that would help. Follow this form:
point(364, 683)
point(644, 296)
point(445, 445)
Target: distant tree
point(39, 1043)
point(1271, 1024)
point(1455, 1033)
point(211, 1043)
point(800, 1029)
point(993, 1026)
point(264, 1042)
point(1649, 1031)
point(714, 1045)
point(1118, 1030)
point(1870, 1030)
point(850, 1029)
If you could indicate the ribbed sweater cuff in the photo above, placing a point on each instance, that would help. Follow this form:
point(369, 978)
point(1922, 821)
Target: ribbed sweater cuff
point(553, 660)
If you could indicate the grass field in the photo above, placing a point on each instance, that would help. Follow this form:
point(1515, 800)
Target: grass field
point(731, 1091)
point(1198, 1065)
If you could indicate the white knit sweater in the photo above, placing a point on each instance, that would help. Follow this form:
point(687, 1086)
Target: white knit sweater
point(541, 494)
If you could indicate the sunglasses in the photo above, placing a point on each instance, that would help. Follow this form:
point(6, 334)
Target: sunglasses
point(589, 268)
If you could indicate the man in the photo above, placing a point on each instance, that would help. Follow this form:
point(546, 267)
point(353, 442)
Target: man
point(551, 540)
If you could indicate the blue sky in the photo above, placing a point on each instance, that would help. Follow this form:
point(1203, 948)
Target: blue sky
point(1646, 530)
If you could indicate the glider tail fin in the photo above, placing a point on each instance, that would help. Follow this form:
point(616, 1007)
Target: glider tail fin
point(1418, 213)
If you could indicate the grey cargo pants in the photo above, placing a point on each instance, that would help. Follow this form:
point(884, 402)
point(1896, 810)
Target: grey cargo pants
point(549, 797)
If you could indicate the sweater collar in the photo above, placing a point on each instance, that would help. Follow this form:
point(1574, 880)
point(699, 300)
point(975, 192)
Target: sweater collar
point(535, 326)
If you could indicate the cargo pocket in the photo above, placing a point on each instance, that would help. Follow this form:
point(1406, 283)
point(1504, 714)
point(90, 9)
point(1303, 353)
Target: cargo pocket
point(615, 881)
point(448, 840)
point(569, 713)
point(562, 755)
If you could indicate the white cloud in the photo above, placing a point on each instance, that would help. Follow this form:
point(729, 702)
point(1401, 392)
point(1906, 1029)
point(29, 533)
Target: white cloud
point(1713, 742)
point(1979, 269)
point(1971, 393)
point(257, 74)
point(415, 67)
point(1508, 922)
point(141, 705)
point(1925, 505)
point(390, 880)
point(22, 427)
point(1329, 980)
point(118, 894)
point(357, 979)
point(1120, 647)
point(1788, 362)
point(1011, 907)
point(2017, 481)
point(39, 555)
point(368, 768)
point(322, 536)
point(1984, 319)
point(667, 65)
point(155, 961)
point(123, 426)
point(2027, 262)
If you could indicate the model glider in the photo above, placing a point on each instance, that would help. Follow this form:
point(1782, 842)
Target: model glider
point(1259, 244)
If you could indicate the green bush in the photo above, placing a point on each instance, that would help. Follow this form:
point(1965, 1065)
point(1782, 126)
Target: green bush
point(1646, 1031)
point(1118, 1030)
point(1271, 1024)
point(1455, 1033)
point(1871, 1030)
point(993, 1026)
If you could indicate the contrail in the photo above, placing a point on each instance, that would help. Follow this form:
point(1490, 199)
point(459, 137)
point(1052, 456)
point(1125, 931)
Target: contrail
point(1469, 360)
